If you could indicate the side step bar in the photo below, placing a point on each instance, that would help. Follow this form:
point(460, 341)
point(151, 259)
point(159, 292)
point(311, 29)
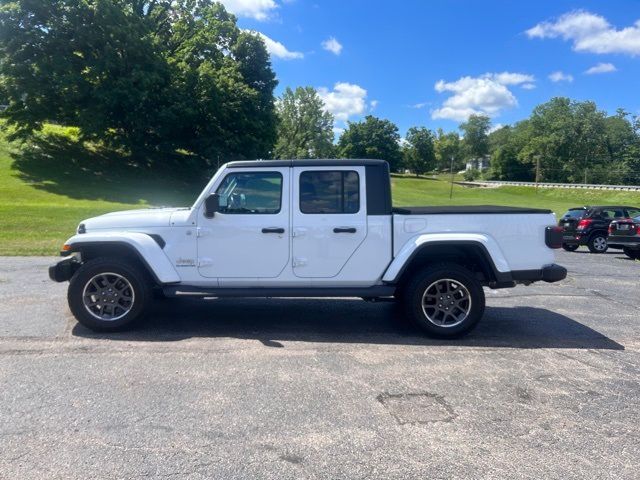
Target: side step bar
point(366, 292)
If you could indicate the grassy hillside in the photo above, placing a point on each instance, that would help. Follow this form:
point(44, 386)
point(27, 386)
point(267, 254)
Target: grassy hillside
point(49, 186)
point(419, 191)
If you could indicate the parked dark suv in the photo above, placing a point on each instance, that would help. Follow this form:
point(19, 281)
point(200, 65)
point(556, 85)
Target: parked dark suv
point(589, 226)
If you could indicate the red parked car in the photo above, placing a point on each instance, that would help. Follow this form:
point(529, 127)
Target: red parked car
point(625, 234)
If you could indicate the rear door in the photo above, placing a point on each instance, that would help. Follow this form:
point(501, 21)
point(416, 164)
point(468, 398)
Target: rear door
point(329, 219)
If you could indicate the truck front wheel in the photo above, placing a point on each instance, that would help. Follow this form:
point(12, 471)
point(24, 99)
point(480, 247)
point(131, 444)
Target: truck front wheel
point(444, 300)
point(108, 294)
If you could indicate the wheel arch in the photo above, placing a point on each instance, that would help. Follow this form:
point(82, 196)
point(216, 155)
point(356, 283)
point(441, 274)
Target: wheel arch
point(138, 247)
point(471, 254)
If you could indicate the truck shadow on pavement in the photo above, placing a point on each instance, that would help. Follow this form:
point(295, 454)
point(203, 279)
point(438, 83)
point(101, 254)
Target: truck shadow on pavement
point(275, 321)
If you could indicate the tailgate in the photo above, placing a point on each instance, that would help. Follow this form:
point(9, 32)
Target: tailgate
point(568, 225)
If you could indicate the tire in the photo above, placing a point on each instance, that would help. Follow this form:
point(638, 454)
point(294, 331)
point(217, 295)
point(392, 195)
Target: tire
point(598, 243)
point(107, 294)
point(570, 248)
point(632, 253)
point(430, 285)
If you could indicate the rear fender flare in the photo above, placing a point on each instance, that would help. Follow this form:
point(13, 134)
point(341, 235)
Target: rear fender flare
point(491, 251)
point(143, 246)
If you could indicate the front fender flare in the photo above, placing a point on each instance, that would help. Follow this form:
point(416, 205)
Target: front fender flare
point(419, 242)
point(143, 245)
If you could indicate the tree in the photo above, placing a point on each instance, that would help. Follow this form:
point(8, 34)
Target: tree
point(504, 146)
point(372, 138)
point(419, 152)
point(567, 137)
point(305, 129)
point(448, 147)
point(143, 74)
point(476, 136)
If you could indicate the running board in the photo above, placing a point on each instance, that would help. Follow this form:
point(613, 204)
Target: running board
point(366, 292)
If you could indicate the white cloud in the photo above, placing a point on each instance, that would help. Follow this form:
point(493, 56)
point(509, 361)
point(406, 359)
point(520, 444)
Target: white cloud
point(337, 131)
point(560, 77)
point(277, 49)
point(510, 78)
point(332, 45)
point(373, 104)
point(528, 86)
point(257, 9)
point(590, 33)
point(601, 68)
point(344, 101)
point(487, 94)
point(420, 105)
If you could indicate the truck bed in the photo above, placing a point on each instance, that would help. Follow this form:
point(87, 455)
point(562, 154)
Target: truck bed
point(466, 209)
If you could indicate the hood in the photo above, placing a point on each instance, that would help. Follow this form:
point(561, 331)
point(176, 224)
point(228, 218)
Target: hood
point(142, 218)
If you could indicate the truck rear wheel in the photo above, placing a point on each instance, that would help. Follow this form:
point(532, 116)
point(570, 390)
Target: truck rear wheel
point(107, 294)
point(445, 300)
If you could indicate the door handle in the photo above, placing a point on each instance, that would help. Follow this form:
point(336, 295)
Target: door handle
point(273, 230)
point(344, 230)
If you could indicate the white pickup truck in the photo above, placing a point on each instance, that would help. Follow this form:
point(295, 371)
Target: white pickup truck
point(307, 228)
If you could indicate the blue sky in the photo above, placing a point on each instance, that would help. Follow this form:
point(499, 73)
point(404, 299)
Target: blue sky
point(433, 63)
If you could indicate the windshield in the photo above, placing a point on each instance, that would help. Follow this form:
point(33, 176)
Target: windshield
point(574, 213)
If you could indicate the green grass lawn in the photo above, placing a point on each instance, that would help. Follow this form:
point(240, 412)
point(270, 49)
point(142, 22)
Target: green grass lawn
point(422, 191)
point(47, 188)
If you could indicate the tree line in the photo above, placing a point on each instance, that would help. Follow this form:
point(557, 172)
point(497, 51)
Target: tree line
point(563, 140)
point(161, 76)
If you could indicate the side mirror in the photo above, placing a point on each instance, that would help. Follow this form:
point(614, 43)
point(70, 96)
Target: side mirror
point(211, 205)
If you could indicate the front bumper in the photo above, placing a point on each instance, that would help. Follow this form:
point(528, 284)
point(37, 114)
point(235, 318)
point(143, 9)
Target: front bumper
point(64, 269)
point(548, 273)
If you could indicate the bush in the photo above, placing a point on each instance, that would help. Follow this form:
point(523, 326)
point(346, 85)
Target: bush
point(471, 175)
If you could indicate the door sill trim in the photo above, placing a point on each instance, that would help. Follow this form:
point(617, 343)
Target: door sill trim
point(259, 292)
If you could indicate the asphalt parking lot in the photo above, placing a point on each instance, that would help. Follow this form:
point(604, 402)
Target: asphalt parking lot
point(548, 386)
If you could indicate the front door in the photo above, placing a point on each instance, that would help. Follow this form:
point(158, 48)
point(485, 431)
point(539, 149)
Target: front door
point(329, 218)
point(249, 237)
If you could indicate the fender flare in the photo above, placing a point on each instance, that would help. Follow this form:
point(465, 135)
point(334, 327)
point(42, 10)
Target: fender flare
point(487, 245)
point(142, 245)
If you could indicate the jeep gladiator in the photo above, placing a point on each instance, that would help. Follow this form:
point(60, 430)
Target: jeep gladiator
point(307, 228)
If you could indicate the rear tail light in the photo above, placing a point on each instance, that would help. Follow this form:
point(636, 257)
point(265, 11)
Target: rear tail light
point(583, 224)
point(611, 228)
point(553, 237)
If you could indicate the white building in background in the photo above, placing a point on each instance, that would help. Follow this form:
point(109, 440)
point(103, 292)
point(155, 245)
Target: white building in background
point(478, 163)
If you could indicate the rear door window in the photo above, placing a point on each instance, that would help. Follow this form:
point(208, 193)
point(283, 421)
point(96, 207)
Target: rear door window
point(611, 213)
point(329, 192)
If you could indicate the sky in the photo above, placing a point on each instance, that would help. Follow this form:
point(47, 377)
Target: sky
point(434, 62)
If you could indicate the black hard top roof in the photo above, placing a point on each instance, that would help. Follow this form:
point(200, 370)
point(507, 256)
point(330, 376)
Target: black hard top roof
point(321, 162)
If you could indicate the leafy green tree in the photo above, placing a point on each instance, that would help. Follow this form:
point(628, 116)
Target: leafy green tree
point(448, 146)
point(372, 138)
point(567, 138)
point(476, 136)
point(504, 145)
point(146, 74)
point(305, 130)
point(419, 151)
